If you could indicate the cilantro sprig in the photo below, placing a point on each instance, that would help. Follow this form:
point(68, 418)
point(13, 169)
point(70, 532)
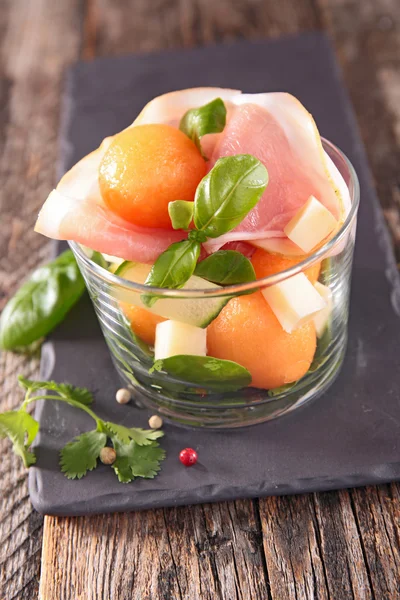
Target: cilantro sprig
point(138, 454)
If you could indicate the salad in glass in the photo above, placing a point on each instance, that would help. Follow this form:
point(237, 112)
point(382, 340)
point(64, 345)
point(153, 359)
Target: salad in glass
point(215, 236)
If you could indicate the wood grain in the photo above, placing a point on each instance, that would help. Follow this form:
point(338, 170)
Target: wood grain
point(336, 546)
point(37, 40)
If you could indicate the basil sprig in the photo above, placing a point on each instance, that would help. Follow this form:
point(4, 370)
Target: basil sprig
point(210, 118)
point(41, 302)
point(215, 374)
point(223, 199)
point(226, 267)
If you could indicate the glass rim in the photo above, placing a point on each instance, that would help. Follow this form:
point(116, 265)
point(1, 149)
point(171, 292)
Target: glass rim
point(105, 275)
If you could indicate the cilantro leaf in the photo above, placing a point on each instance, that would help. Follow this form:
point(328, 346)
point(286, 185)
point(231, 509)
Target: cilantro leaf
point(80, 455)
point(71, 392)
point(143, 437)
point(136, 461)
point(65, 390)
point(21, 428)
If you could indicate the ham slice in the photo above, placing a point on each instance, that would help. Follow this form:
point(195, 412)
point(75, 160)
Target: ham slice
point(75, 211)
point(274, 127)
point(279, 131)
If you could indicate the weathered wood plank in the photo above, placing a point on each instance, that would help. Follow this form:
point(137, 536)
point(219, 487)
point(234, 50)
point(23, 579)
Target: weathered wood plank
point(312, 544)
point(341, 545)
point(37, 40)
point(367, 39)
point(195, 552)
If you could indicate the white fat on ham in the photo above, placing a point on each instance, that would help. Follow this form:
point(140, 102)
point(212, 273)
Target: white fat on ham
point(294, 301)
point(170, 108)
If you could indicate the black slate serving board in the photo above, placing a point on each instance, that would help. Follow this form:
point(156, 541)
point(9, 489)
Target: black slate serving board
point(351, 435)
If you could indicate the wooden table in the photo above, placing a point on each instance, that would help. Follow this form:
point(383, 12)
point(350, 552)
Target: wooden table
point(338, 545)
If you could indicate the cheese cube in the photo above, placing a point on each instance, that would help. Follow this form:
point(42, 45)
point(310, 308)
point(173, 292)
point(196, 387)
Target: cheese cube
point(174, 337)
point(294, 301)
point(322, 317)
point(310, 225)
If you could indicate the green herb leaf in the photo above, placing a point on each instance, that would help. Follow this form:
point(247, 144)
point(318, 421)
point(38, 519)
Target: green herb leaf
point(65, 390)
point(226, 267)
point(137, 461)
point(206, 372)
point(172, 268)
point(99, 259)
point(21, 428)
point(143, 437)
point(41, 303)
point(80, 455)
point(181, 213)
point(228, 192)
point(197, 236)
point(210, 118)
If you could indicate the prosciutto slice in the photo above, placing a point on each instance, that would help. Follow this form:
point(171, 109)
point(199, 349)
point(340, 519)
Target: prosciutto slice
point(279, 131)
point(75, 211)
point(274, 127)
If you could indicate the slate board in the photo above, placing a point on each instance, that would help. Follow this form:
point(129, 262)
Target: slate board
point(351, 435)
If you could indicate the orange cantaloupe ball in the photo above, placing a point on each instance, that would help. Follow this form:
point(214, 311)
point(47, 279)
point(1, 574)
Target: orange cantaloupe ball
point(266, 263)
point(143, 322)
point(247, 332)
point(145, 168)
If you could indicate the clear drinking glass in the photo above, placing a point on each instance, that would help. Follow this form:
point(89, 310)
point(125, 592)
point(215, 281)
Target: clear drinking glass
point(183, 401)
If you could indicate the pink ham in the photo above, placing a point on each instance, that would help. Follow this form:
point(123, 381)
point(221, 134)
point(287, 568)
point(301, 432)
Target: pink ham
point(274, 127)
point(278, 130)
point(75, 211)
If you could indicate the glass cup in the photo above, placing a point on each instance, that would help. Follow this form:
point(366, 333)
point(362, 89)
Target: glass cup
point(183, 401)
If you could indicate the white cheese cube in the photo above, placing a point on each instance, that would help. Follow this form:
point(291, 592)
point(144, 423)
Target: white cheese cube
point(294, 301)
point(322, 317)
point(174, 337)
point(310, 225)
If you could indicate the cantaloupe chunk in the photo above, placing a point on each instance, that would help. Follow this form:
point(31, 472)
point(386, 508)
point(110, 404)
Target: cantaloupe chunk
point(310, 225)
point(247, 332)
point(294, 301)
point(143, 322)
point(266, 264)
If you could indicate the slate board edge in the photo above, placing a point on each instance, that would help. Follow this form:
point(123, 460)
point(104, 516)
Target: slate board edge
point(379, 474)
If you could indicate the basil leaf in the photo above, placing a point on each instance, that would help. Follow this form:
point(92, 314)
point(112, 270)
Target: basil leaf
point(205, 371)
point(210, 118)
point(99, 259)
point(197, 236)
point(172, 268)
point(181, 213)
point(226, 267)
point(228, 193)
point(41, 303)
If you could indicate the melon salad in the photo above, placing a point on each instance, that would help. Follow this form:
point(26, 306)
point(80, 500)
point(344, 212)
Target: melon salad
point(211, 188)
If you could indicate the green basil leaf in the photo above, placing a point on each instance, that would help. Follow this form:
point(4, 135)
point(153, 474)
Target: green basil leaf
point(210, 118)
point(205, 371)
point(228, 192)
point(226, 267)
point(99, 259)
point(197, 236)
point(172, 268)
point(181, 213)
point(41, 303)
